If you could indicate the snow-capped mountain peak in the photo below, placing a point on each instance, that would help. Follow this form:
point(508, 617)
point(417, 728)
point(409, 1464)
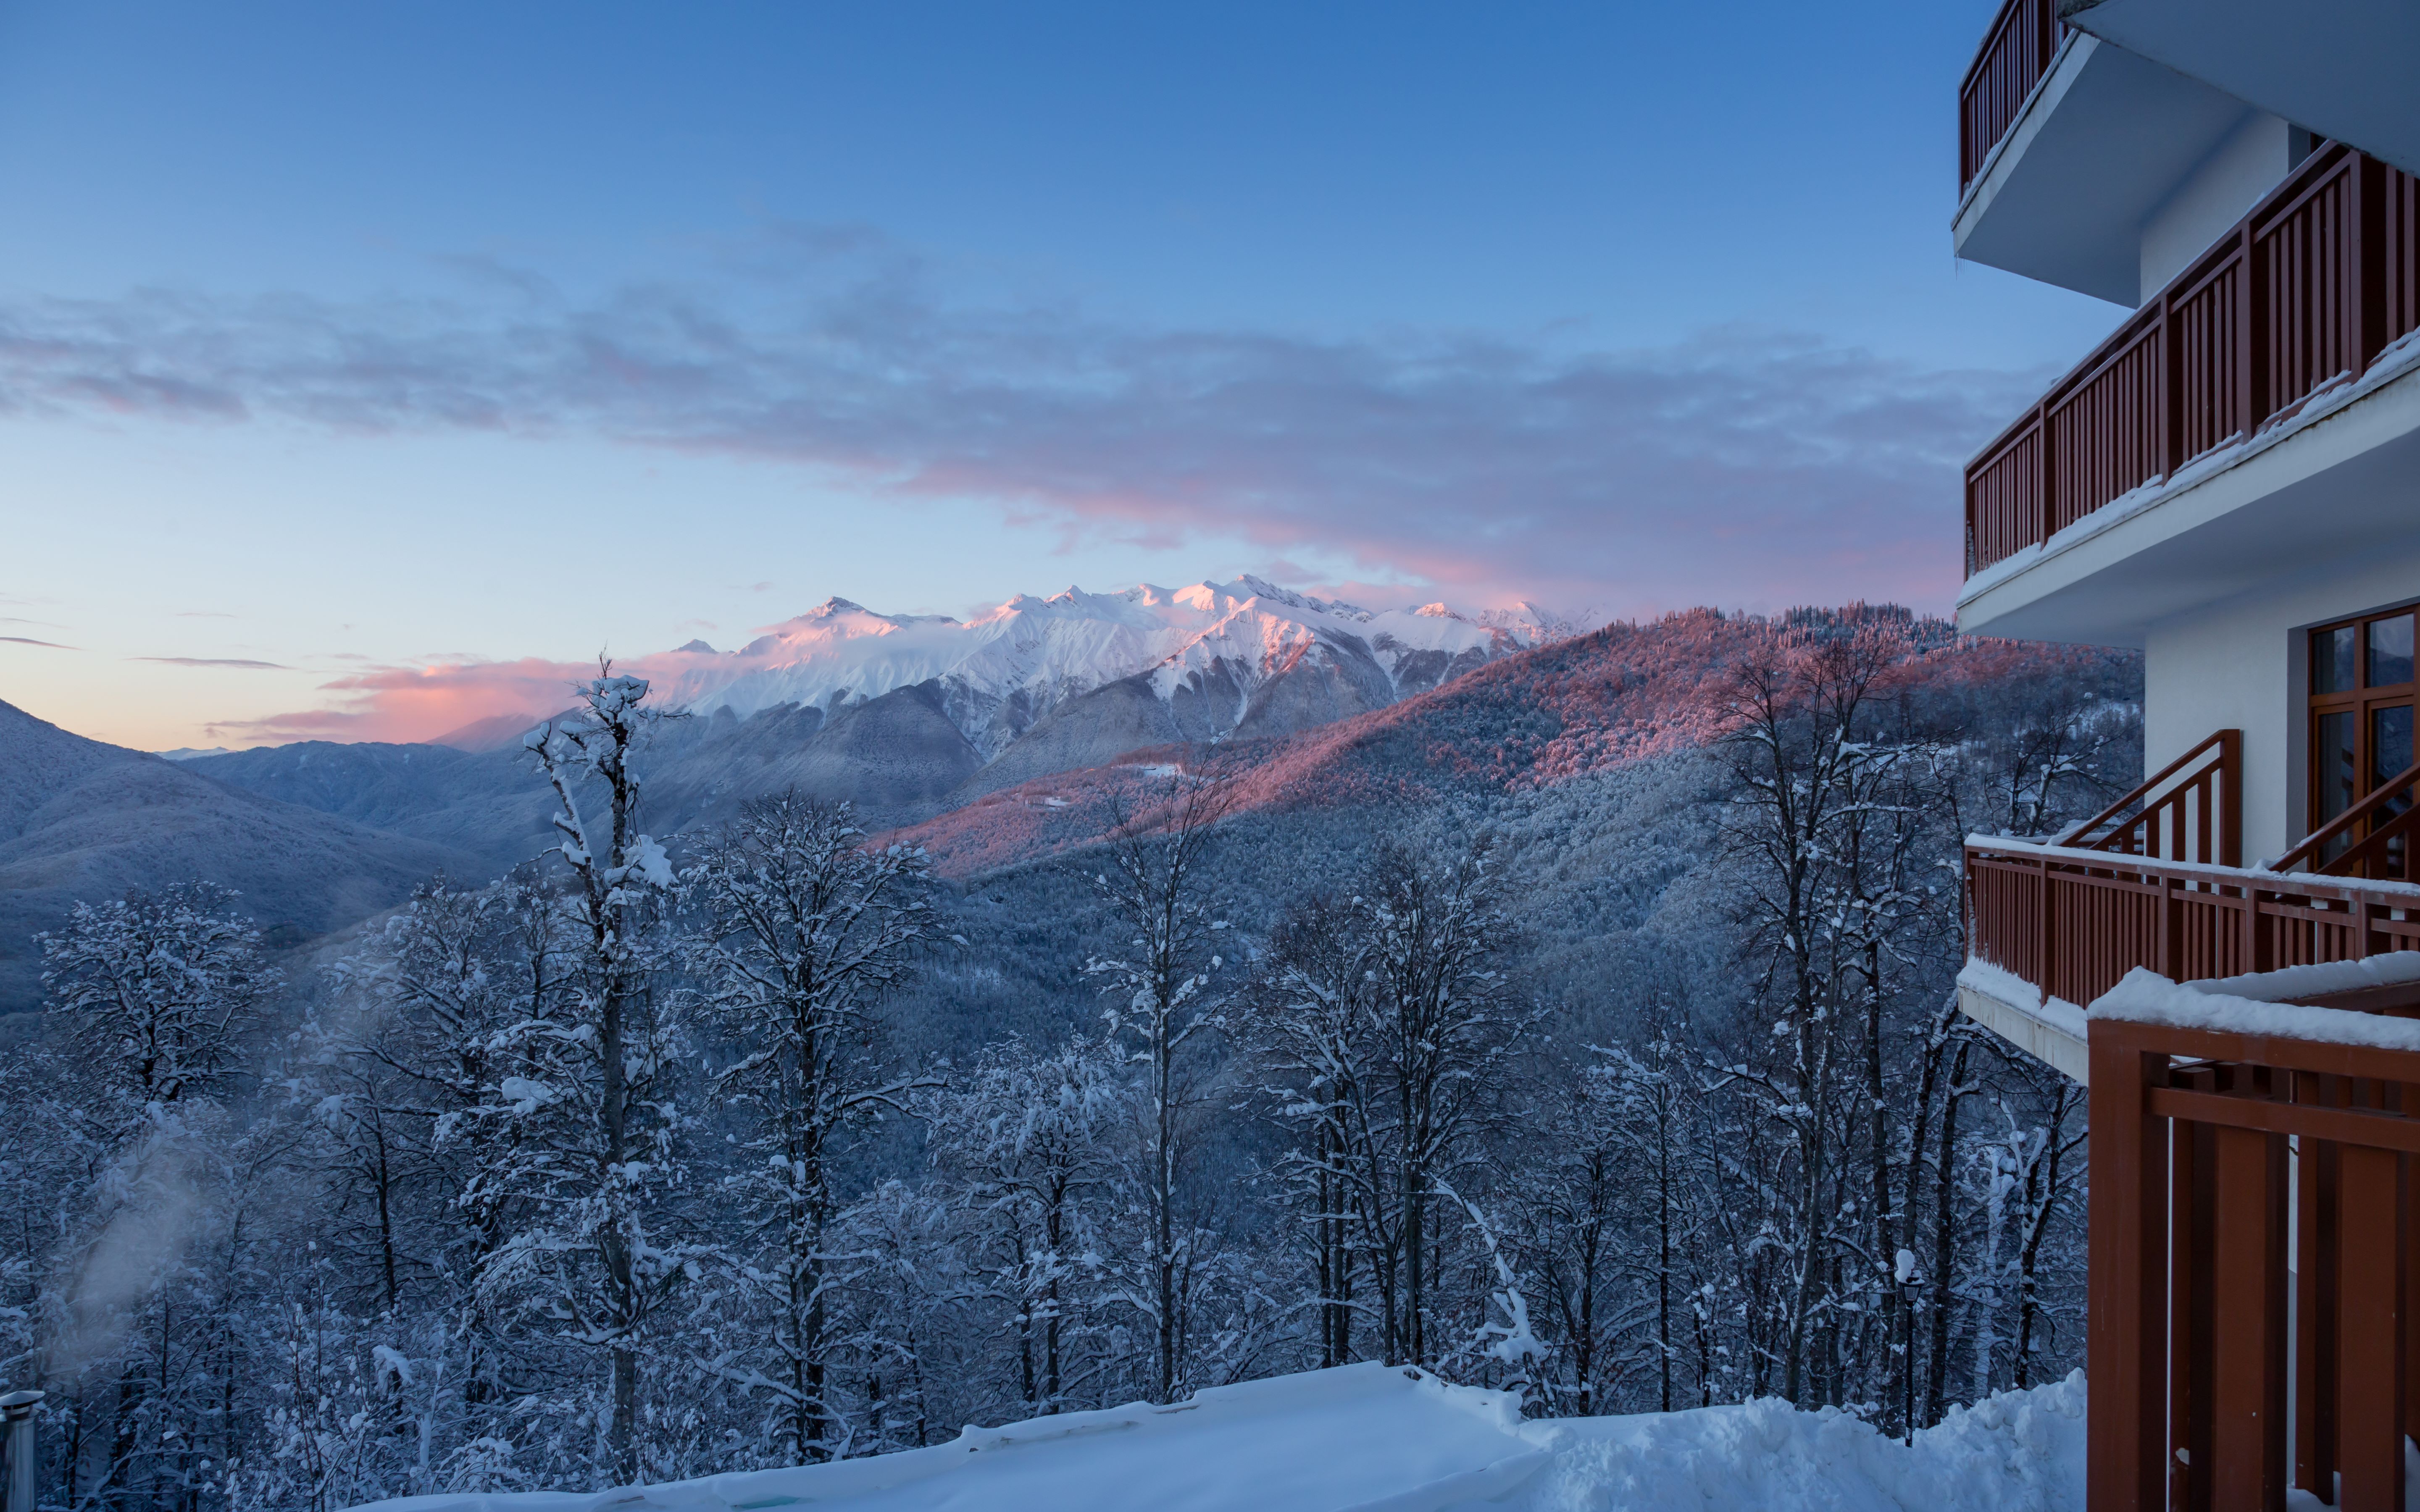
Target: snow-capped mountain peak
point(1220, 645)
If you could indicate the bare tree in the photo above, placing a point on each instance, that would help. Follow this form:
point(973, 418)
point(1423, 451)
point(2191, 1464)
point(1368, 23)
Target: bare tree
point(1157, 982)
point(584, 1143)
point(1801, 769)
point(805, 930)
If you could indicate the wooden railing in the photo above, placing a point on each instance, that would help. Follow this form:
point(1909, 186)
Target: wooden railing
point(2191, 808)
point(2015, 54)
point(2215, 1157)
point(2376, 832)
point(2304, 292)
point(2072, 922)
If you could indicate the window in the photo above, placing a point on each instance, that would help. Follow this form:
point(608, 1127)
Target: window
point(2361, 721)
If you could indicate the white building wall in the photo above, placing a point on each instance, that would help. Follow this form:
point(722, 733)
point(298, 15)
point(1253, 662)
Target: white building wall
point(2240, 665)
point(2251, 160)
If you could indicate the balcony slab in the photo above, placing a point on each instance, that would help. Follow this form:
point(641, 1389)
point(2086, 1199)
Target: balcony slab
point(2105, 141)
point(2331, 483)
point(2005, 1003)
point(2343, 67)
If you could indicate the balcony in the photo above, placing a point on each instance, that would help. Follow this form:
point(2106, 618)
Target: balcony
point(2084, 165)
point(2297, 309)
point(2156, 880)
point(2014, 58)
point(2254, 1067)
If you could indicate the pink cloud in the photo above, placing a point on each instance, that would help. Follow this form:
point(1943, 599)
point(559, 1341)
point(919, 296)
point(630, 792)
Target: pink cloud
point(1753, 468)
point(419, 702)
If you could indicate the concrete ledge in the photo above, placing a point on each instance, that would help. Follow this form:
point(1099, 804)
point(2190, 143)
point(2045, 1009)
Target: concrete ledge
point(2029, 1029)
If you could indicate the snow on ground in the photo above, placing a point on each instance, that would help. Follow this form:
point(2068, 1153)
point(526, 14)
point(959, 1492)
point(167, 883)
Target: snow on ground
point(1374, 1438)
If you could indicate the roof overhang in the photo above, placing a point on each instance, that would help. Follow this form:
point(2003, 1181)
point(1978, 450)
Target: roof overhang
point(2344, 68)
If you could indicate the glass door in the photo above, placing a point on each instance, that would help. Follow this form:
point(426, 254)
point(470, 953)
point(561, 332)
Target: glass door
point(2360, 725)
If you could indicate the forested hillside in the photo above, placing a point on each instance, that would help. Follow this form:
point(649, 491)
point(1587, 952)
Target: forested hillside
point(1581, 1028)
point(84, 819)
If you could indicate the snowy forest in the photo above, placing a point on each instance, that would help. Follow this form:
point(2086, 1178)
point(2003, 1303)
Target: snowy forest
point(765, 1143)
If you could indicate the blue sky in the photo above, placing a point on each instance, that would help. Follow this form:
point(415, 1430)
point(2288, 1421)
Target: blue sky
point(346, 338)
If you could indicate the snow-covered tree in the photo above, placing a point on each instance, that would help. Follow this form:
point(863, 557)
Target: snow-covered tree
point(156, 993)
point(579, 1133)
point(161, 988)
point(406, 1051)
point(1026, 1147)
point(1311, 1029)
point(1443, 1017)
point(1158, 982)
point(803, 930)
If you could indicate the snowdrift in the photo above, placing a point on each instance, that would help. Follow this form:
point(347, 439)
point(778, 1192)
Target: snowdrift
point(1373, 1438)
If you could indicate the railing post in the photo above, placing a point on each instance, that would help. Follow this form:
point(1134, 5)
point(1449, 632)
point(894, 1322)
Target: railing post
point(2316, 1171)
point(2171, 946)
point(2126, 1328)
point(2406, 1098)
point(2044, 957)
point(2248, 1355)
point(2168, 404)
point(2251, 337)
point(2230, 814)
point(2042, 474)
point(2190, 1314)
point(2372, 1251)
point(2364, 309)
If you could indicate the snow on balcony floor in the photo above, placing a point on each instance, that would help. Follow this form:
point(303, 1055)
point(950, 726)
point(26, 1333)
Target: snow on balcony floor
point(1369, 1437)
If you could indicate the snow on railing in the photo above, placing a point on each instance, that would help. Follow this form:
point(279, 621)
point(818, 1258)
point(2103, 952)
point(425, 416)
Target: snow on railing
point(2231, 1132)
point(2072, 922)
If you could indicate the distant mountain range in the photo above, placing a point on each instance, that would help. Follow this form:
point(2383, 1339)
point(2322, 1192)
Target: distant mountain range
point(911, 716)
point(991, 758)
point(1243, 658)
point(906, 715)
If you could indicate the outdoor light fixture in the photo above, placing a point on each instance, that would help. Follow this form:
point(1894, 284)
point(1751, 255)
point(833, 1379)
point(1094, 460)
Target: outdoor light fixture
point(18, 1456)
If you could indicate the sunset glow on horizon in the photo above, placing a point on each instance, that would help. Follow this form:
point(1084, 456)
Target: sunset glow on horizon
point(331, 415)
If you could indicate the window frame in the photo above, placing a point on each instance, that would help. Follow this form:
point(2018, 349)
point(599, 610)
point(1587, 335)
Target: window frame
point(2362, 700)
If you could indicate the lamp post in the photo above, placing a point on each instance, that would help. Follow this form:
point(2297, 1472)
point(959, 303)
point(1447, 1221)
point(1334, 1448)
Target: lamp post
point(22, 1459)
point(1911, 1293)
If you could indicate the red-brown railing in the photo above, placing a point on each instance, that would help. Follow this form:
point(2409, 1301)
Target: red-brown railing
point(2072, 922)
point(2191, 809)
point(2216, 1156)
point(2306, 290)
point(2375, 831)
point(2015, 54)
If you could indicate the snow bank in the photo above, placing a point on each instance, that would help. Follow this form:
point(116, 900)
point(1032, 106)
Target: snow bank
point(1372, 1438)
point(2016, 1451)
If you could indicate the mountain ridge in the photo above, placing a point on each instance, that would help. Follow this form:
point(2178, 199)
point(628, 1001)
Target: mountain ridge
point(1572, 708)
point(82, 820)
point(1221, 648)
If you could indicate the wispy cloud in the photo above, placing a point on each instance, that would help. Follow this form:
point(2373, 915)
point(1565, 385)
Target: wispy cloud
point(217, 661)
point(423, 701)
point(29, 640)
point(1740, 467)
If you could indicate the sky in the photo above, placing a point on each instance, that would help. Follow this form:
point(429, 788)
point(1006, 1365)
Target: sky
point(346, 346)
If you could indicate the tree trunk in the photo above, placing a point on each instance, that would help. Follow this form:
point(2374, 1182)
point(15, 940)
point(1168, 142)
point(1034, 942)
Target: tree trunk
point(1664, 1255)
point(1944, 1221)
